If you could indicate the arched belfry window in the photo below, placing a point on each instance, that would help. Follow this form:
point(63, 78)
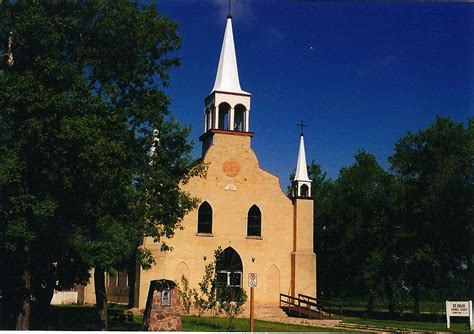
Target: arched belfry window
point(208, 120)
point(205, 218)
point(254, 222)
point(304, 190)
point(224, 109)
point(239, 118)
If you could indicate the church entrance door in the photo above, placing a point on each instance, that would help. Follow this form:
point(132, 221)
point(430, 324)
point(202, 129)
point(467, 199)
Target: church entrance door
point(229, 269)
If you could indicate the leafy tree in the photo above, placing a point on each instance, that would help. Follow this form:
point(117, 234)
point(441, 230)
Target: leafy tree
point(78, 187)
point(320, 191)
point(436, 168)
point(358, 232)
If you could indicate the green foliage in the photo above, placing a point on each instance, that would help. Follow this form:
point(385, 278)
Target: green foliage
point(78, 186)
point(205, 297)
point(436, 168)
point(357, 230)
point(201, 296)
point(185, 294)
point(231, 302)
point(403, 235)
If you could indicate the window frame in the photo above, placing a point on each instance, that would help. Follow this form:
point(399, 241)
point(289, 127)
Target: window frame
point(254, 222)
point(205, 226)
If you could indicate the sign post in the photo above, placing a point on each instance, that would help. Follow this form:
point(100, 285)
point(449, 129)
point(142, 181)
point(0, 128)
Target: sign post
point(252, 285)
point(459, 309)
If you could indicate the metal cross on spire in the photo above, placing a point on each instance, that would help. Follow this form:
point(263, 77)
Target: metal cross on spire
point(229, 15)
point(301, 125)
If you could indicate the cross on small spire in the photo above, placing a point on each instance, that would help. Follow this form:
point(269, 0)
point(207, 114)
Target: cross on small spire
point(301, 125)
point(228, 15)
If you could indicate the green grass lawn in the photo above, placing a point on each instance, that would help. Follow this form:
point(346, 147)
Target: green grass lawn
point(420, 325)
point(406, 306)
point(82, 318)
point(202, 324)
point(78, 317)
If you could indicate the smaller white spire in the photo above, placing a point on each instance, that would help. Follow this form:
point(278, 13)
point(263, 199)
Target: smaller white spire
point(227, 77)
point(301, 167)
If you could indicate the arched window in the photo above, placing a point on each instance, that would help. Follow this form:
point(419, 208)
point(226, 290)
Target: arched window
point(205, 218)
point(304, 190)
point(239, 118)
point(254, 222)
point(224, 109)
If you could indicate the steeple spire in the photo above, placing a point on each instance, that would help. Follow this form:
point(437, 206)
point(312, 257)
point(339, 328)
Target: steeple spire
point(301, 181)
point(227, 107)
point(301, 167)
point(227, 78)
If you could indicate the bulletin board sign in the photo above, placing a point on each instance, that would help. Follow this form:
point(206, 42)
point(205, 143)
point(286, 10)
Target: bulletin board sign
point(459, 309)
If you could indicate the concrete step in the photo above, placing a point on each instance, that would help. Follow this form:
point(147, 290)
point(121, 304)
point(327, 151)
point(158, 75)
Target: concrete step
point(268, 312)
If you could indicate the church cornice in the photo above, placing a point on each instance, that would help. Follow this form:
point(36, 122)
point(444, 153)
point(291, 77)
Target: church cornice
point(206, 100)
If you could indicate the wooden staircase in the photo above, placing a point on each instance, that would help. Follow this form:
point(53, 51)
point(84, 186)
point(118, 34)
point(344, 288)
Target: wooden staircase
point(309, 307)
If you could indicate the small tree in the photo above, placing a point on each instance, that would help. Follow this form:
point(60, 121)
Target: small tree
point(201, 296)
point(231, 302)
point(185, 294)
point(205, 298)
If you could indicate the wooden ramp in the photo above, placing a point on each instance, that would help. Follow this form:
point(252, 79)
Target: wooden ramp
point(309, 307)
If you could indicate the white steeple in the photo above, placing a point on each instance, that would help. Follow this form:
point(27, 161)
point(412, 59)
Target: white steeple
point(227, 78)
point(301, 181)
point(227, 107)
point(301, 167)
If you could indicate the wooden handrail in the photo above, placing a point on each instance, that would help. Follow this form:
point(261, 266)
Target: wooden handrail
point(309, 303)
point(322, 304)
point(319, 300)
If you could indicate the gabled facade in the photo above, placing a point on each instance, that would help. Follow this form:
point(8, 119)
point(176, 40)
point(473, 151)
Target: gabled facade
point(243, 209)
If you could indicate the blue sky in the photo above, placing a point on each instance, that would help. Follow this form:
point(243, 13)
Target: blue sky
point(359, 74)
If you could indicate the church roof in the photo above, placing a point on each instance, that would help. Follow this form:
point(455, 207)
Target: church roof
point(227, 78)
point(301, 167)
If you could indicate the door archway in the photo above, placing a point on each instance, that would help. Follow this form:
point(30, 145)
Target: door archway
point(229, 269)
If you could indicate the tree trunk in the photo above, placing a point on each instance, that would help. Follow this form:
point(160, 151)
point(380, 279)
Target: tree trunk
point(371, 302)
point(41, 309)
point(23, 317)
point(101, 299)
point(133, 271)
point(416, 300)
point(131, 287)
point(389, 294)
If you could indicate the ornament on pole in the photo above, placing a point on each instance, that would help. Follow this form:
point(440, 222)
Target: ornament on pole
point(10, 60)
point(9, 54)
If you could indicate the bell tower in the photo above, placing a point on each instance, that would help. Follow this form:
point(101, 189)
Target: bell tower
point(227, 107)
point(303, 259)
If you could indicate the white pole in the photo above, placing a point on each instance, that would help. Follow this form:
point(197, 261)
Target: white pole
point(471, 323)
point(447, 314)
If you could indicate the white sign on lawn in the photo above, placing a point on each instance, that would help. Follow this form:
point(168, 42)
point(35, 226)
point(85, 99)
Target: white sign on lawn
point(252, 280)
point(459, 309)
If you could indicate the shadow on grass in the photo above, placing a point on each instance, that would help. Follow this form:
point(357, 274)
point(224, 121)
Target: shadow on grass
point(83, 318)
